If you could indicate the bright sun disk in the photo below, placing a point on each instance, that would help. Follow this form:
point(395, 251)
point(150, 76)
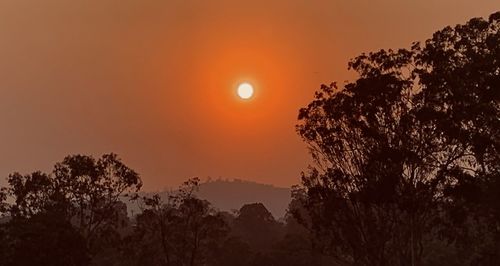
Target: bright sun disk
point(245, 90)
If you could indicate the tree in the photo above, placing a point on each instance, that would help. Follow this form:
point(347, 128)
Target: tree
point(392, 146)
point(462, 98)
point(297, 246)
point(82, 191)
point(256, 226)
point(44, 239)
point(185, 230)
point(233, 251)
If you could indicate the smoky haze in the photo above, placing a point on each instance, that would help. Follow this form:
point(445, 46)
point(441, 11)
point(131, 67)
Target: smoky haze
point(153, 81)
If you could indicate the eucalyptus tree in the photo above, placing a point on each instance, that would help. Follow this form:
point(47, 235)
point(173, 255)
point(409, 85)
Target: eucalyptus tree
point(393, 148)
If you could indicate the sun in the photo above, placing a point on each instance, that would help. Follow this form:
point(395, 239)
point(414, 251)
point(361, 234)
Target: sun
point(245, 91)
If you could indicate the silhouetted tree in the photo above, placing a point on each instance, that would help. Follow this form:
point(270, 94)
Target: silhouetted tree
point(297, 246)
point(390, 146)
point(256, 226)
point(461, 77)
point(185, 230)
point(233, 251)
point(82, 195)
point(44, 239)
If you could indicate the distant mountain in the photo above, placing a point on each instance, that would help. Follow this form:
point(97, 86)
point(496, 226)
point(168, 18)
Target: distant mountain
point(229, 195)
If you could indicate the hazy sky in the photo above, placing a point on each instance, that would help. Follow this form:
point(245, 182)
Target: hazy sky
point(154, 81)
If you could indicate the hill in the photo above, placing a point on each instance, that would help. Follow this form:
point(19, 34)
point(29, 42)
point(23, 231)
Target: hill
point(229, 195)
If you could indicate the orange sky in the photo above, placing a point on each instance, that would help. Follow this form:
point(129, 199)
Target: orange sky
point(154, 81)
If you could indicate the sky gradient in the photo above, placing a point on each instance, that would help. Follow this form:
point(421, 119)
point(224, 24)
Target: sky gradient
point(155, 81)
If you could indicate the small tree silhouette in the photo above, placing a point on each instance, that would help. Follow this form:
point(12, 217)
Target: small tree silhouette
point(178, 230)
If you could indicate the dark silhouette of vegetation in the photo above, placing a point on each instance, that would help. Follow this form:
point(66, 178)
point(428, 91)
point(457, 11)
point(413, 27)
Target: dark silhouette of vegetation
point(257, 227)
point(74, 216)
point(402, 151)
point(407, 172)
point(184, 230)
point(81, 194)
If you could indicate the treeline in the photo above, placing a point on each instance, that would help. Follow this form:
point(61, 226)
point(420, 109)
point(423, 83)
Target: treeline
point(74, 216)
point(406, 172)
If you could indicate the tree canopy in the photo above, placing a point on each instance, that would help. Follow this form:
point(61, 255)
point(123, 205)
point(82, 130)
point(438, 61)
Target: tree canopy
point(403, 143)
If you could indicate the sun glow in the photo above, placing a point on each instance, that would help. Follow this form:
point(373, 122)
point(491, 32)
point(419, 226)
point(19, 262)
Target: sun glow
point(245, 91)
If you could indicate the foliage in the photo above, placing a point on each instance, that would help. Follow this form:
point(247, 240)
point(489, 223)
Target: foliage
point(257, 227)
point(44, 239)
point(82, 194)
point(184, 230)
point(393, 146)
